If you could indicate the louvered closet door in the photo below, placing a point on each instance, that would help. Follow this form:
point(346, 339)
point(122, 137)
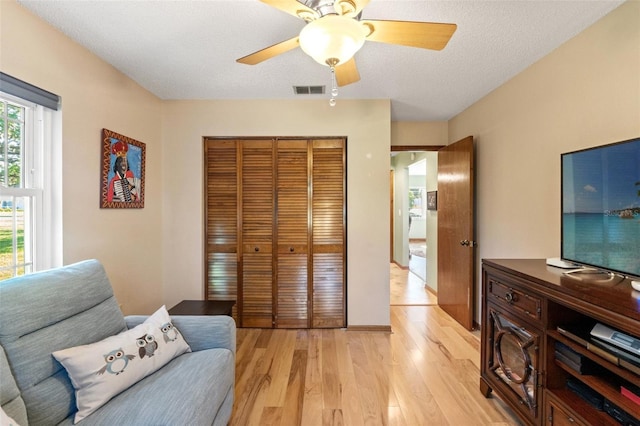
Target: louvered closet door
point(257, 234)
point(292, 221)
point(328, 180)
point(221, 220)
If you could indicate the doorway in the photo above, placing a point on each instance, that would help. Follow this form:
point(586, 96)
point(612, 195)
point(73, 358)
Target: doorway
point(413, 228)
point(417, 193)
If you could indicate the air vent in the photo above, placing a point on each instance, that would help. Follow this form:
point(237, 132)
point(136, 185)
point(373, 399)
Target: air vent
point(308, 90)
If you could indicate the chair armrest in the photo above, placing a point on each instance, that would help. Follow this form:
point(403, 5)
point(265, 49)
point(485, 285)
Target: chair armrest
point(201, 331)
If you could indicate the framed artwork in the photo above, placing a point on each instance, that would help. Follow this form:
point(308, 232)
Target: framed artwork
point(432, 200)
point(122, 177)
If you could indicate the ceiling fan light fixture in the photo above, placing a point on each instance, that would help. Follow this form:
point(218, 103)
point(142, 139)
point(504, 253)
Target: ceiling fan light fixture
point(332, 39)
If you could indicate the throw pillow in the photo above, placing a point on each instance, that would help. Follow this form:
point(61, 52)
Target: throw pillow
point(101, 370)
point(5, 420)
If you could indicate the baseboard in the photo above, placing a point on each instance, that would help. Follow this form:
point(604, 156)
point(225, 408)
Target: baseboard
point(399, 265)
point(476, 326)
point(383, 328)
point(430, 290)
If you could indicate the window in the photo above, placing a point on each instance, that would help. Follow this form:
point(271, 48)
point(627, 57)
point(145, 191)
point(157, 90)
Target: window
point(28, 204)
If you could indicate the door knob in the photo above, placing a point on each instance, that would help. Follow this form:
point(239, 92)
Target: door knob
point(464, 242)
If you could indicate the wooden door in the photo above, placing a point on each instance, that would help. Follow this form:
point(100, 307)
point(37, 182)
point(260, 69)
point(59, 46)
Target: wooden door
point(456, 245)
point(221, 220)
point(275, 230)
point(257, 230)
point(291, 283)
point(329, 233)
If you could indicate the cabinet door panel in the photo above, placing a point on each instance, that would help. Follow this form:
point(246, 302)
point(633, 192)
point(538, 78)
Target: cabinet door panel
point(257, 191)
point(257, 234)
point(292, 291)
point(328, 204)
point(292, 280)
point(514, 360)
point(257, 303)
point(328, 290)
point(221, 220)
point(556, 414)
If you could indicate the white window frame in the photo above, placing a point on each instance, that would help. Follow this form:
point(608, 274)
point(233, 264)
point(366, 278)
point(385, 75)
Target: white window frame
point(42, 183)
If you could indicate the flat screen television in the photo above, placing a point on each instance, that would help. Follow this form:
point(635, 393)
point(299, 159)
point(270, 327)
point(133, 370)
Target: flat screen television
point(601, 207)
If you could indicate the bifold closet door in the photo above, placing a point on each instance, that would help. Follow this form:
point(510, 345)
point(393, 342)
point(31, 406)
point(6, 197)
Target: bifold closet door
point(329, 240)
point(257, 233)
point(292, 234)
point(275, 230)
point(221, 220)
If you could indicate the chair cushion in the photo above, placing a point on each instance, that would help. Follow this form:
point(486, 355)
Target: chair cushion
point(10, 399)
point(57, 309)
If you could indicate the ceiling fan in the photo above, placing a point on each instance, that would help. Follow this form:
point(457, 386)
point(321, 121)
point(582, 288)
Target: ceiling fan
point(335, 32)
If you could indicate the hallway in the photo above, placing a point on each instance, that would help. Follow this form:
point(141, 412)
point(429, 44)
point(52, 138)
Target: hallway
point(407, 289)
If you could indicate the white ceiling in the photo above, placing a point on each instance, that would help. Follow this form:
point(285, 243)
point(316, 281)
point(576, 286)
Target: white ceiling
point(184, 49)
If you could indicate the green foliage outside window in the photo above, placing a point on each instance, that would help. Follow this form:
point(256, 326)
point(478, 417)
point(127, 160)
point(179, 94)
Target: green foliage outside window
point(11, 171)
point(11, 141)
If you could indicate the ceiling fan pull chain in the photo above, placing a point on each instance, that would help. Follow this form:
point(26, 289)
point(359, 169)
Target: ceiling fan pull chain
point(334, 87)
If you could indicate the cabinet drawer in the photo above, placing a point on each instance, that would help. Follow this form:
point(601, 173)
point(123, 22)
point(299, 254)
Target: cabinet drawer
point(515, 299)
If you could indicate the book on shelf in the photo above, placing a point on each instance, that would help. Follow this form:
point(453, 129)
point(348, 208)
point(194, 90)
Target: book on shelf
point(631, 391)
point(615, 355)
point(585, 392)
point(630, 395)
point(574, 360)
point(568, 352)
point(580, 368)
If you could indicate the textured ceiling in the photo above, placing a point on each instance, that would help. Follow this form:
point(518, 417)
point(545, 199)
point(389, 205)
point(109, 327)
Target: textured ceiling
point(185, 49)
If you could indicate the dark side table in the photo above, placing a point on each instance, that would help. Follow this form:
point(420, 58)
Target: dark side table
point(203, 307)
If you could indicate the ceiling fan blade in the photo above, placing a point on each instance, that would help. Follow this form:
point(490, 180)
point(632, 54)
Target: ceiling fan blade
point(361, 4)
point(292, 7)
point(347, 73)
point(269, 52)
point(426, 35)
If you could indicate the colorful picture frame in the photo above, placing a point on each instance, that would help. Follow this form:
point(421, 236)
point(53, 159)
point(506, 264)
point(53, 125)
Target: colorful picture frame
point(122, 176)
point(432, 200)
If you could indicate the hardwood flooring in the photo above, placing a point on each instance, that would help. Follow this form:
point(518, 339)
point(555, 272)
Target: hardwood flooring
point(407, 288)
point(425, 372)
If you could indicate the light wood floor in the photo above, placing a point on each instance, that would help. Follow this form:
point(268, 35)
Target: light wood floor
point(407, 288)
point(426, 372)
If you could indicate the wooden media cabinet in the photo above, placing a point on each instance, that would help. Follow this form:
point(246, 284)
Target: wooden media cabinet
point(524, 304)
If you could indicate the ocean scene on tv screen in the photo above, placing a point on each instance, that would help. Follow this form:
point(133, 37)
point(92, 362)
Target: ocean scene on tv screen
point(601, 207)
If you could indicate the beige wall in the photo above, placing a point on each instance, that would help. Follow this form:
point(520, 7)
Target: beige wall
point(94, 96)
point(432, 223)
point(585, 93)
point(400, 165)
point(366, 126)
point(419, 133)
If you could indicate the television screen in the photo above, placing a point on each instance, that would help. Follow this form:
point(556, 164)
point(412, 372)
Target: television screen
point(601, 207)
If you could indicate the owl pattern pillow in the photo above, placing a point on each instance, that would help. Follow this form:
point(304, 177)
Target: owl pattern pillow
point(101, 370)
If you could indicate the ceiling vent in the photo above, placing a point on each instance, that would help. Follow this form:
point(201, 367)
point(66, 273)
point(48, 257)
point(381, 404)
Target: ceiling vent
point(308, 90)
